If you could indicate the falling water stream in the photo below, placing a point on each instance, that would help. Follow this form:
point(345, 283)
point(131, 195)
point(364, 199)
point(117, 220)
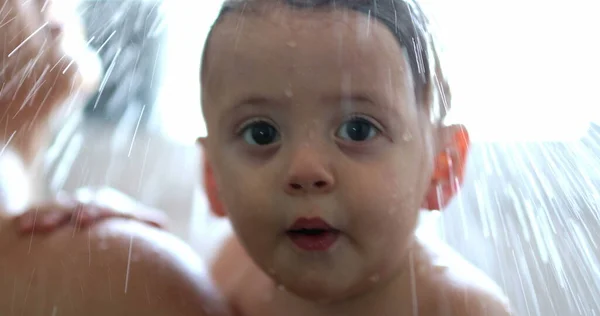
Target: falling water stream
point(529, 212)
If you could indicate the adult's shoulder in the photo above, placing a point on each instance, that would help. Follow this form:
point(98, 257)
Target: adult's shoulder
point(117, 267)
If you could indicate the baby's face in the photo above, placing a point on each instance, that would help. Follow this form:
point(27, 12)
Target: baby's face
point(313, 125)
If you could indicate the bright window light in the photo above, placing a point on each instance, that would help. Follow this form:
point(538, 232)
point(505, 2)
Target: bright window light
point(177, 113)
point(521, 70)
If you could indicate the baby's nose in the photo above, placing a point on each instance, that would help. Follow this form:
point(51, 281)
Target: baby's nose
point(309, 174)
point(317, 186)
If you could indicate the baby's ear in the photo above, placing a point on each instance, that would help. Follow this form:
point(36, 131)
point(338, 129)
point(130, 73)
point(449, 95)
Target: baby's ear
point(201, 141)
point(449, 169)
point(210, 184)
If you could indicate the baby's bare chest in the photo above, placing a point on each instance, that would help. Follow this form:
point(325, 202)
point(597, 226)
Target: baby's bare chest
point(253, 293)
point(265, 301)
point(256, 295)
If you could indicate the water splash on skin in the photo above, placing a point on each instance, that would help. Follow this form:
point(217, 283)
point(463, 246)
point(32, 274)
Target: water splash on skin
point(374, 278)
point(288, 92)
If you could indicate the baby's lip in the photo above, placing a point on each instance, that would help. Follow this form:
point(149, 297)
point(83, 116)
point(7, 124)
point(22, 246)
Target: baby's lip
point(312, 234)
point(313, 223)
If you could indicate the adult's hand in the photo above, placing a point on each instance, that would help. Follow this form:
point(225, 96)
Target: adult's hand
point(85, 209)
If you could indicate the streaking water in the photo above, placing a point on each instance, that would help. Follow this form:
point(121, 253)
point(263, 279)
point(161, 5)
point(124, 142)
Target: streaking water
point(529, 213)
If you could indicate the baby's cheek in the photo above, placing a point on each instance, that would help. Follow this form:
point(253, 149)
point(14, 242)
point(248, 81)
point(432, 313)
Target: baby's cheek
point(245, 198)
point(249, 204)
point(390, 206)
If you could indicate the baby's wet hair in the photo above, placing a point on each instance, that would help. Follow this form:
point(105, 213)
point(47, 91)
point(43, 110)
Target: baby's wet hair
point(409, 25)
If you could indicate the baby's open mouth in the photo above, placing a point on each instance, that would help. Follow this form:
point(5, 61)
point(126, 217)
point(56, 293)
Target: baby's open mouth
point(312, 234)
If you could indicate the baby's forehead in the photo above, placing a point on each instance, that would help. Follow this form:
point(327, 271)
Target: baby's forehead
point(281, 17)
point(302, 39)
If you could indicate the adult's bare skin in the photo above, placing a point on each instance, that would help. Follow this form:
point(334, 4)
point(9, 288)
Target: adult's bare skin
point(45, 65)
point(118, 266)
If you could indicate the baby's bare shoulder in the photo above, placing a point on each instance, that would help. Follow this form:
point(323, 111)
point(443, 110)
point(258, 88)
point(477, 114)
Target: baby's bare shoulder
point(465, 298)
point(461, 289)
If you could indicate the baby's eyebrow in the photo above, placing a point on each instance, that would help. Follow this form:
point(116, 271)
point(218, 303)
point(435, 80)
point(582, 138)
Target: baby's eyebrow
point(255, 100)
point(338, 99)
point(361, 98)
point(252, 100)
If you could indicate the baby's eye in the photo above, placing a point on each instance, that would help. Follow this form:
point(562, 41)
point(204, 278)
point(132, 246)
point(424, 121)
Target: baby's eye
point(260, 133)
point(357, 130)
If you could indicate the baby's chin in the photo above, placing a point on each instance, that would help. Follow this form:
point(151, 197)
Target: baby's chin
point(323, 280)
point(327, 289)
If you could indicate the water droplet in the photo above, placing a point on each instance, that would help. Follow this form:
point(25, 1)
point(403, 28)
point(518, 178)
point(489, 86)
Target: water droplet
point(288, 92)
point(374, 278)
point(268, 297)
point(292, 44)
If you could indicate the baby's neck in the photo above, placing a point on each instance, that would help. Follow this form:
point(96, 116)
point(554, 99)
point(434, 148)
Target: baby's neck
point(395, 296)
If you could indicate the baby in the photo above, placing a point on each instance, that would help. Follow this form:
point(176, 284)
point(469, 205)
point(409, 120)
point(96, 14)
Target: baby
point(326, 138)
